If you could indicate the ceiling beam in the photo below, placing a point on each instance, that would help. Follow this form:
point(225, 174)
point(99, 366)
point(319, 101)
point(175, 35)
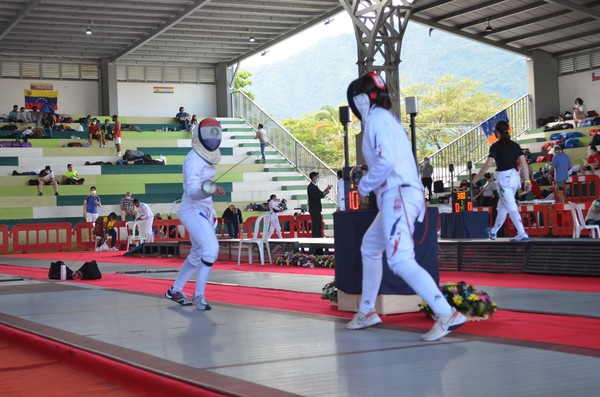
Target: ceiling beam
point(167, 25)
point(562, 40)
point(18, 18)
point(466, 10)
point(550, 30)
point(585, 9)
point(504, 14)
point(475, 37)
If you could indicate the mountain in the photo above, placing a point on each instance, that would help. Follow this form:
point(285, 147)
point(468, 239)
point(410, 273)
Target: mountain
point(320, 74)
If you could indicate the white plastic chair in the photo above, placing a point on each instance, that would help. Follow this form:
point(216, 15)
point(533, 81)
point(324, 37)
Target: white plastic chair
point(261, 242)
point(134, 234)
point(579, 222)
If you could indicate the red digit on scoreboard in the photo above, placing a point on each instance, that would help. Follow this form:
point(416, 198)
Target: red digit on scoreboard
point(469, 206)
point(456, 207)
point(354, 200)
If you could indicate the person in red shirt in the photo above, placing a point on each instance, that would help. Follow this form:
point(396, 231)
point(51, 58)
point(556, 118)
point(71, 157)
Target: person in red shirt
point(117, 133)
point(593, 160)
point(93, 130)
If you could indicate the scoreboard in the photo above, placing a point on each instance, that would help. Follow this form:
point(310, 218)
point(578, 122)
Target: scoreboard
point(461, 201)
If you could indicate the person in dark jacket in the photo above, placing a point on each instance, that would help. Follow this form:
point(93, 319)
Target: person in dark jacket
point(233, 220)
point(314, 205)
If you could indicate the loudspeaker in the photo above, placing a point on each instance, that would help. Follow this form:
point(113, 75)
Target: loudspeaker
point(345, 115)
point(411, 104)
point(451, 167)
point(469, 165)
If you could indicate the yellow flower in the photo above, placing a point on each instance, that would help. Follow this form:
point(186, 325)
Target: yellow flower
point(473, 297)
point(457, 299)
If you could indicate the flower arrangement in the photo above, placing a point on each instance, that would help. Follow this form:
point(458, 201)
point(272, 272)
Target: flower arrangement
point(304, 260)
point(330, 291)
point(466, 299)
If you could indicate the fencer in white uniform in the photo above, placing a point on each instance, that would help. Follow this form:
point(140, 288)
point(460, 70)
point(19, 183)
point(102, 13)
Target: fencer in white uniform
point(195, 213)
point(145, 217)
point(507, 154)
point(392, 175)
point(275, 208)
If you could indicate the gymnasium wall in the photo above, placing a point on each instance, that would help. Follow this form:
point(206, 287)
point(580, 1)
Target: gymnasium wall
point(580, 85)
point(79, 98)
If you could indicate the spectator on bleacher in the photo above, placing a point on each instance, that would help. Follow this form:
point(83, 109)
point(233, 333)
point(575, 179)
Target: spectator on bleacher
point(560, 172)
point(194, 122)
point(593, 160)
point(47, 109)
point(48, 122)
point(144, 214)
point(489, 191)
point(106, 132)
point(94, 131)
point(184, 118)
point(36, 116)
point(426, 171)
point(195, 213)
point(275, 209)
point(593, 215)
point(117, 134)
point(463, 186)
point(579, 112)
point(13, 114)
point(71, 177)
point(127, 207)
point(341, 196)
point(46, 177)
point(90, 205)
point(507, 153)
point(24, 116)
point(261, 135)
point(233, 219)
point(103, 228)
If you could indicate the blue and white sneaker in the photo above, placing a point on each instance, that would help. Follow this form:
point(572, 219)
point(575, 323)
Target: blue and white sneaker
point(178, 296)
point(200, 303)
point(492, 236)
point(520, 238)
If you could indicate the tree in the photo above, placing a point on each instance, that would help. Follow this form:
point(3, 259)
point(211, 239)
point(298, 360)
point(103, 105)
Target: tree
point(447, 109)
point(323, 134)
point(242, 80)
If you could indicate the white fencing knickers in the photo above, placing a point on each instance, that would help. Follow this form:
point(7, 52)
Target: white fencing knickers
point(205, 248)
point(392, 232)
point(509, 183)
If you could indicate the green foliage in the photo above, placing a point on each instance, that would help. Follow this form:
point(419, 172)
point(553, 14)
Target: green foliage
point(242, 80)
point(323, 134)
point(447, 109)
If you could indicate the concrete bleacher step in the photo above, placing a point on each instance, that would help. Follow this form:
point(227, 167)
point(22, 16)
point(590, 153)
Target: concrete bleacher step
point(159, 186)
point(291, 178)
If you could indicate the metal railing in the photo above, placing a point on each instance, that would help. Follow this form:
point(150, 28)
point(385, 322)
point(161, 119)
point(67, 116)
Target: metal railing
point(473, 144)
point(285, 143)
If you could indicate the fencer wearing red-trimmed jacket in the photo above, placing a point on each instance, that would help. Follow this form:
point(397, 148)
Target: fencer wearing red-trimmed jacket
point(195, 212)
point(275, 208)
point(392, 175)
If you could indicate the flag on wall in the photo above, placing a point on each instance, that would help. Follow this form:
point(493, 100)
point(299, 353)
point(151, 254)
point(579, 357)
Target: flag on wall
point(595, 76)
point(489, 124)
point(163, 90)
point(39, 98)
